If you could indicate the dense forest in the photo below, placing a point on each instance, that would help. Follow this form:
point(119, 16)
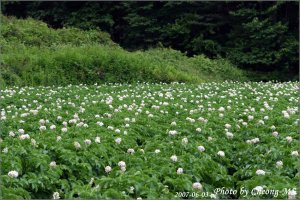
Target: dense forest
point(259, 36)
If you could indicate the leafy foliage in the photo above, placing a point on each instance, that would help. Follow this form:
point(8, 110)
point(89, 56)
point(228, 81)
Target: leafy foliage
point(143, 115)
point(259, 36)
point(76, 56)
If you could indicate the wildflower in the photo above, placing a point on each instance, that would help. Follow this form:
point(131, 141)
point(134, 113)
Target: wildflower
point(157, 151)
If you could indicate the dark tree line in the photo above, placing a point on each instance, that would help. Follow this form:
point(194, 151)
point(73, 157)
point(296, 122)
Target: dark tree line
point(254, 35)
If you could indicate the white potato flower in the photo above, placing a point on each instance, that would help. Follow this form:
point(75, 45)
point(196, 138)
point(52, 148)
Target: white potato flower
point(260, 172)
point(121, 164)
point(108, 169)
point(295, 153)
point(275, 133)
point(13, 174)
point(228, 126)
point(5, 150)
point(184, 140)
point(11, 134)
point(43, 128)
point(64, 130)
point(131, 151)
point(197, 186)
point(279, 164)
point(198, 130)
point(174, 158)
point(292, 194)
point(25, 136)
point(201, 148)
point(58, 138)
point(56, 195)
point(88, 142)
point(258, 189)
point(52, 127)
point(118, 140)
point(289, 139)
point(21, 131)
point(173, 124)
point(77, 145)
point(97, 140)
point(221, 153)
point(172, 132)
point(179, 171)
point(52, 164)
point(229, 135)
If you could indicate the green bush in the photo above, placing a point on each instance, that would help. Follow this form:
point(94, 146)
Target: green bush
point(31, 33)
point(34, 54)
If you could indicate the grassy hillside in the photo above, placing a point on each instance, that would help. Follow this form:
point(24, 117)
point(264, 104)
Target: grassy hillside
point(33, 54)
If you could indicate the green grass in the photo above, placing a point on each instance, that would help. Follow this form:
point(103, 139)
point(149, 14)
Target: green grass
point(33, 54)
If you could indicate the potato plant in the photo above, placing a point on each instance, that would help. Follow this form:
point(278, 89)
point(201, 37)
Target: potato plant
point(138, 141)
